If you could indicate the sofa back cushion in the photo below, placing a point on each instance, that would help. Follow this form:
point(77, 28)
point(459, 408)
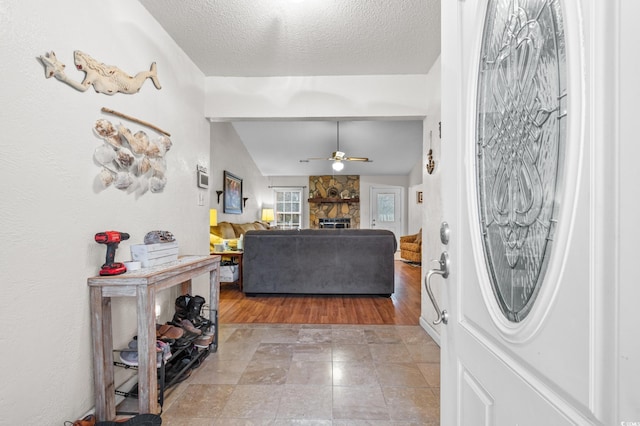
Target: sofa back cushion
point(223, 230)
point(241, 228)
point(319, 261)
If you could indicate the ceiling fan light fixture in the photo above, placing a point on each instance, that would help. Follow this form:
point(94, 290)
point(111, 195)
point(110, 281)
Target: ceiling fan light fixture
point(337, 165)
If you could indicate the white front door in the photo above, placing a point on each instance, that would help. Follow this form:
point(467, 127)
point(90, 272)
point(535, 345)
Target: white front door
point(386, 209)
point(529, 188)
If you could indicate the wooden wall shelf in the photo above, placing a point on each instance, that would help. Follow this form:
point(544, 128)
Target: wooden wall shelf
point(334, 200)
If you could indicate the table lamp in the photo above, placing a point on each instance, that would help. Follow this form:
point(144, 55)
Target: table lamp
point(267, 216)
point(213, 217)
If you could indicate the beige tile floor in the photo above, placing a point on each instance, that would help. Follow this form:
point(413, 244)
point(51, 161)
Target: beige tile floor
point(283, 374)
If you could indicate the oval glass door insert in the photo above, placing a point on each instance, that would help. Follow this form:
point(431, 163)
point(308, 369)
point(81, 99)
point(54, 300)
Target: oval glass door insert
point(520, 138)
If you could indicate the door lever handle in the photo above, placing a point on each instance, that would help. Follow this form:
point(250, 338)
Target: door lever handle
point(442, 270)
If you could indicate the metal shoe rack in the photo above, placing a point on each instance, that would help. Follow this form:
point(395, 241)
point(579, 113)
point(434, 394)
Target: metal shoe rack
point(163, 384)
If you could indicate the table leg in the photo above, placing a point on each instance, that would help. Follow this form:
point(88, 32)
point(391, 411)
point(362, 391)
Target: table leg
point(214, 301)
point(240, 272)
point(147, 367)
point(102, 340)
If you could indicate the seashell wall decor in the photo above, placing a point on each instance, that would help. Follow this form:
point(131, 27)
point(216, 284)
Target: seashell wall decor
point(156, 184)
point(123, 180)
point(104, 155)
point(106, 79)
point(107, 177)
point(105, 129)
point(131, 161)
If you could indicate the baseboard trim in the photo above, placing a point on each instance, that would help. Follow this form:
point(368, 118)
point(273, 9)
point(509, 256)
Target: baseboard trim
point(430, 330)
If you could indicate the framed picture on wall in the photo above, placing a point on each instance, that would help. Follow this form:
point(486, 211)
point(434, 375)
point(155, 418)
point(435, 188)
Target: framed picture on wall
point(232, 193)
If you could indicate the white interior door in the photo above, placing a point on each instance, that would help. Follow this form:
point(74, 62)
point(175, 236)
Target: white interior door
point(386, 209)
point(524, 185)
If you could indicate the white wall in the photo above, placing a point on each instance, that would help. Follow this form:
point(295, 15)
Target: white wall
point(51, 207)
point(371, 96)
point(228, 153)
point(415, 209)
point(432, 204)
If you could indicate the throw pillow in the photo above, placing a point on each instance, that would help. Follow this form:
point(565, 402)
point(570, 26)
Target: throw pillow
point(214, 239)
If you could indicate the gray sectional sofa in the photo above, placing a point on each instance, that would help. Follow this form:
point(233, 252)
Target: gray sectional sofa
point(319, 261)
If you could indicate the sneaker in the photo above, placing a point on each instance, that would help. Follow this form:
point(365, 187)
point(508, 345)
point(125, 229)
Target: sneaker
point(130, 356)
point(165, 348)
point(203, 341)
point(161, 347)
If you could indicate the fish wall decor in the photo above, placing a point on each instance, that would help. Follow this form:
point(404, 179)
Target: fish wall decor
point(106, 79)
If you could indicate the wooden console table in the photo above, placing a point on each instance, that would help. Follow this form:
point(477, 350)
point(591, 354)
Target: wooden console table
point(142, 284)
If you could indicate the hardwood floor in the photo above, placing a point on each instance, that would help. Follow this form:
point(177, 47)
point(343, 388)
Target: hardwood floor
point(402, 308)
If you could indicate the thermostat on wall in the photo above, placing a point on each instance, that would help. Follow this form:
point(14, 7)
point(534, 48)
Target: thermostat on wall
point(203, 177)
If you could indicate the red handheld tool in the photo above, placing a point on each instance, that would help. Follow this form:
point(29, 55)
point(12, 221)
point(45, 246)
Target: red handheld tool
point(111, 239)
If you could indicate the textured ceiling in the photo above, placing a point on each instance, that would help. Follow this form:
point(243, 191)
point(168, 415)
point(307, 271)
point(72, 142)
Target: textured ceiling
point(303, 37)
point(259, 38)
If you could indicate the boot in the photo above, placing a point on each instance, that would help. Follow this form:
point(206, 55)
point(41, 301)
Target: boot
point(194, 307)
point(182, 303)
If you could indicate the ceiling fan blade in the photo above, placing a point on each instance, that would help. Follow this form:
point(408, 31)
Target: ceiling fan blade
point(338, 156)
point(316, 158)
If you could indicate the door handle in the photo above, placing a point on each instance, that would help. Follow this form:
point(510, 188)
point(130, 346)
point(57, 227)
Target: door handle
point(442, 270)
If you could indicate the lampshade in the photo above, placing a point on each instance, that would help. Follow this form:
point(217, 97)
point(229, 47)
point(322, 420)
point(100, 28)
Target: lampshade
point(267, 215)
point(213, 217)
point(337, 165)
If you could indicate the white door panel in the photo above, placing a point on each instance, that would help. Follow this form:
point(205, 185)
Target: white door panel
point(493, 393)
point(550, 367)
point(386, 210)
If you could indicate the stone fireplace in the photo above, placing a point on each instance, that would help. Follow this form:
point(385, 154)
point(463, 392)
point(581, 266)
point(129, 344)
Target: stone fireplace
point(338, 222)
point(334, 201)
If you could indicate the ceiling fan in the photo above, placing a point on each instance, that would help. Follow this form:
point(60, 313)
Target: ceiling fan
point(338, 156)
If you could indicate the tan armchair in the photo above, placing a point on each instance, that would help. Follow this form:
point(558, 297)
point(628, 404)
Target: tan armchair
point(411, 247)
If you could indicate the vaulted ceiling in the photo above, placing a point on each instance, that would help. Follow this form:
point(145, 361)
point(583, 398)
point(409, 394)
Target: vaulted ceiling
point(260, 38)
